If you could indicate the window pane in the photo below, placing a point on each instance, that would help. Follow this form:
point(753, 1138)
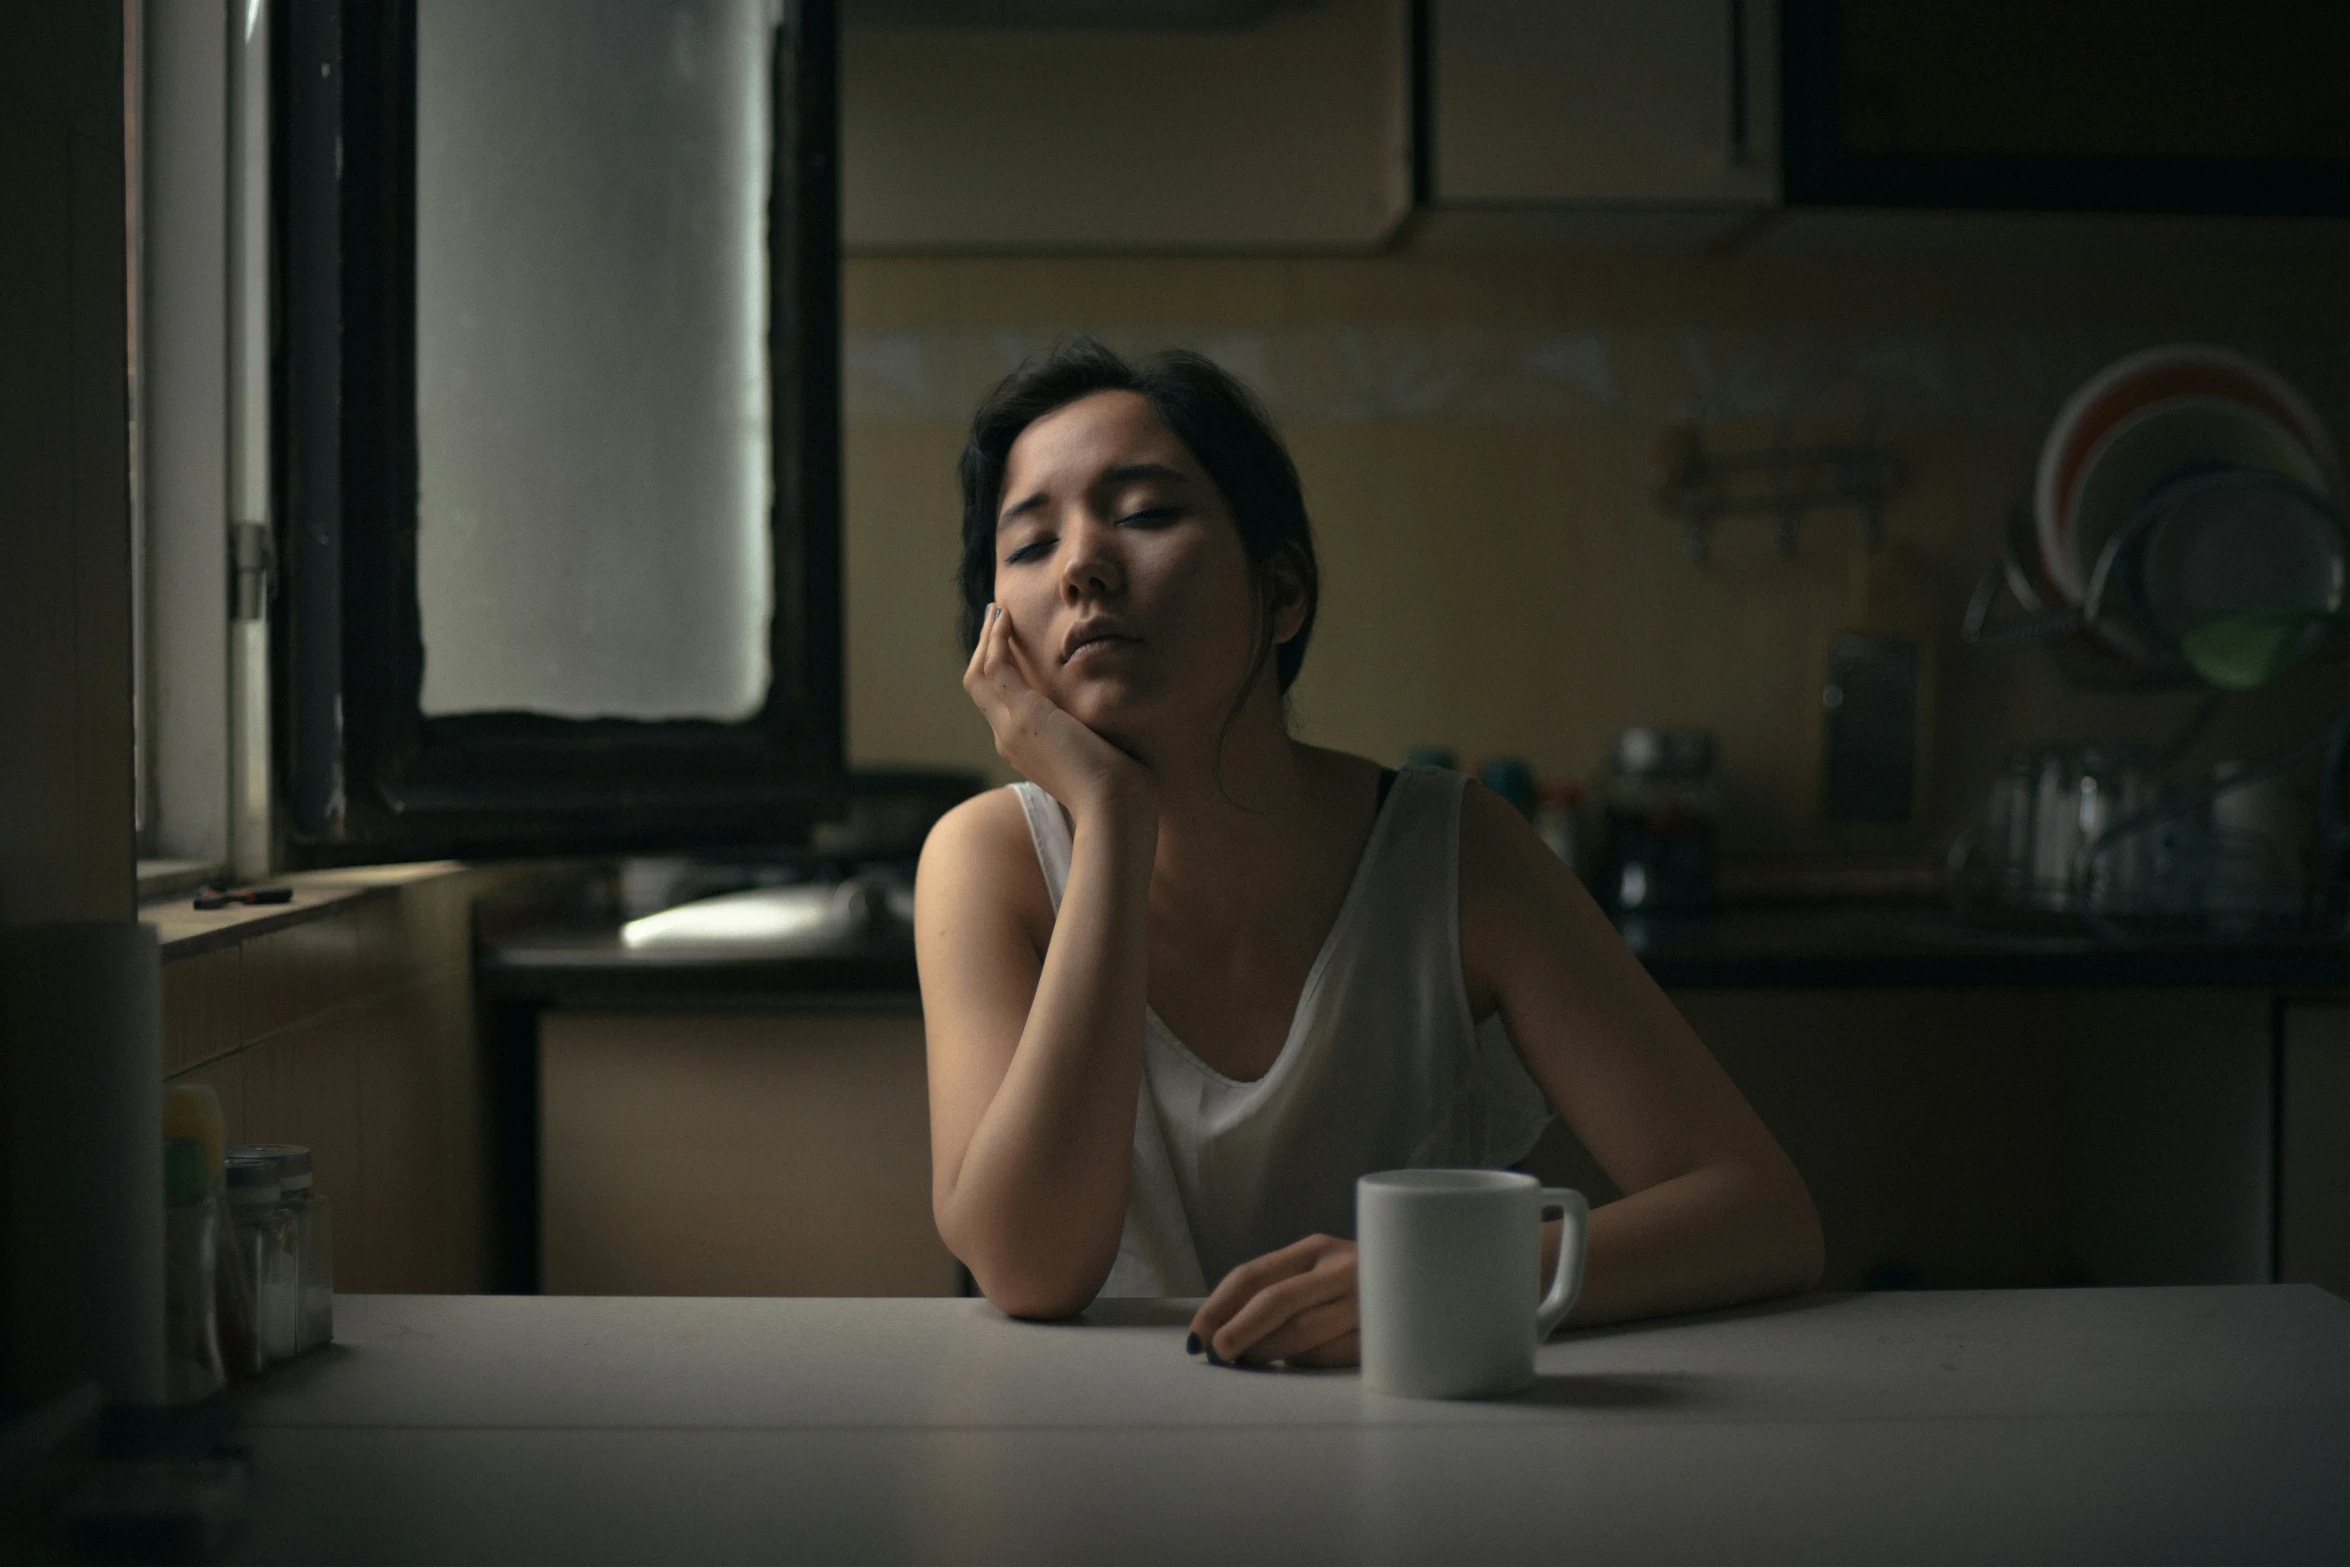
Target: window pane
point(591, 356)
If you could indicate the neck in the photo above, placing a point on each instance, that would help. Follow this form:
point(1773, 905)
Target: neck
point(1238, 793)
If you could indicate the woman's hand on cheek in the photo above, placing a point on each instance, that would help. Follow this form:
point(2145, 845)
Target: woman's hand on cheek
point(1037, 736)
point(1296, 1305)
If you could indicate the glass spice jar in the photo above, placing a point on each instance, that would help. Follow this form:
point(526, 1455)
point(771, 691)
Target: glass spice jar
point(266, 1259)
point(314, 1237)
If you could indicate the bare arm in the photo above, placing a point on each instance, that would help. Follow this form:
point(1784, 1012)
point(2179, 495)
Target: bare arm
point(1035, 1023)
point(1713, 1211)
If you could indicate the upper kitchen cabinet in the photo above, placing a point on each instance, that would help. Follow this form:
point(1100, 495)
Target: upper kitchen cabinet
point(2162, 106)
point(1156, 125)
point(1666, 102)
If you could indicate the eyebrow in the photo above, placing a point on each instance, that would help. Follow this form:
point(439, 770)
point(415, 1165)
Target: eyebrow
point(1018, 508)
point(1130, 472)
point(1124, 473)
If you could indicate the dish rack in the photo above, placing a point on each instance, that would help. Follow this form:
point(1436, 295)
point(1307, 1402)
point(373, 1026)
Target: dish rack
point(2184, 526)
point(2126, 860)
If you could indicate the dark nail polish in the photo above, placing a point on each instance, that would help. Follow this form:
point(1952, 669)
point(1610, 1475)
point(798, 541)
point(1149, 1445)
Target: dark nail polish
point(1215, 1359)
point(1191, 1343)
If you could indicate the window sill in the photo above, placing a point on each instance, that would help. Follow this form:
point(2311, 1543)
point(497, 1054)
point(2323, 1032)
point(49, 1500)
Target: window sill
point(184, 930)
point(159, 879)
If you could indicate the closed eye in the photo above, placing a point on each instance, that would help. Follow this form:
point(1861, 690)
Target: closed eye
point(1035, 549)
point(1151, 516)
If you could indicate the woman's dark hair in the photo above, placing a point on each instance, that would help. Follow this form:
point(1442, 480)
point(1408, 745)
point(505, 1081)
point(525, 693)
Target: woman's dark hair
point(1211, 413)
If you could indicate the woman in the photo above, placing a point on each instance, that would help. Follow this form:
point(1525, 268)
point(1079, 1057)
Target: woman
point(1194, 977)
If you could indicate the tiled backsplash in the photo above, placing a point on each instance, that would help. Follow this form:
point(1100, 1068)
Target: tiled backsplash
point(1434, 372)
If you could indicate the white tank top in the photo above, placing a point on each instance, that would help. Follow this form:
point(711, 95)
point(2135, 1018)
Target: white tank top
point(1383, 1068)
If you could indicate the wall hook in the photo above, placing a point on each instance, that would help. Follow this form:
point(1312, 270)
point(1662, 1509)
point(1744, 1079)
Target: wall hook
point(1782, 482)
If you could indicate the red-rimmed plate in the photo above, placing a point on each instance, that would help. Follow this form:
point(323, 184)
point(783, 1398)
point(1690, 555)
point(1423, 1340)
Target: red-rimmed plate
point(2126, 388)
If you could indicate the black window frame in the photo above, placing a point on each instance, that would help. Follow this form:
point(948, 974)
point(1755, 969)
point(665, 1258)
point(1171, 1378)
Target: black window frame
point(363, 775)
point(1820, 169)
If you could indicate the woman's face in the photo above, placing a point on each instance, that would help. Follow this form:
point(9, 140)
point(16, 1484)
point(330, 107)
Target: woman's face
point(1123, 571)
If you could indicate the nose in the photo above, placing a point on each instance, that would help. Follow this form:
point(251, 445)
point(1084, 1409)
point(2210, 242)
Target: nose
point(1090, 567)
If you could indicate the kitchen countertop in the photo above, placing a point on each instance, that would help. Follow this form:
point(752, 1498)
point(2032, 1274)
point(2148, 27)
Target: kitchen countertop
point(592, 967)
point(1793, 947)
point(2193, 1424)
point(1863, 945)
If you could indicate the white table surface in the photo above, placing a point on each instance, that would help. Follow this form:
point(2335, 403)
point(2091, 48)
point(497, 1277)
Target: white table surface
point(2197, 1424)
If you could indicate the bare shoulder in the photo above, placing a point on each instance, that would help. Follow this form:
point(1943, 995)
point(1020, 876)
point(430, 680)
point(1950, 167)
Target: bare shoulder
point(1522, 910)
point(1501, 857)
point(991, 822)
point(979, 866)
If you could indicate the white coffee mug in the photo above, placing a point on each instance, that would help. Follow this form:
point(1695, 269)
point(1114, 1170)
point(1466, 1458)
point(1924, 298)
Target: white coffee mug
point(1448, 1262)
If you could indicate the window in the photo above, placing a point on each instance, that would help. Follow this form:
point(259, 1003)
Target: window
point(592, 429)
point(557, 426)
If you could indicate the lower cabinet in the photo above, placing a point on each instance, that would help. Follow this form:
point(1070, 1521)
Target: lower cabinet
point(1988, 1138)
point(1975, 1138)
point(711, 1154)
point(2313, 1159)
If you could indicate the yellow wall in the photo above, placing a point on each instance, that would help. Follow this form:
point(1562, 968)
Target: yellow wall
point(1475, 435)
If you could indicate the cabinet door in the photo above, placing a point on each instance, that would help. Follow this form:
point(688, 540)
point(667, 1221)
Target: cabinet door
point(1666, 101)
point(1996, 1139)
point(691, 1154)
point(2162, 106)
point(1290, 132)
point(2313, 1184)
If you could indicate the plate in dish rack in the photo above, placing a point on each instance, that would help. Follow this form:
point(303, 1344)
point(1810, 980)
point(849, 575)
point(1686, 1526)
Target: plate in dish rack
point(2125, 390)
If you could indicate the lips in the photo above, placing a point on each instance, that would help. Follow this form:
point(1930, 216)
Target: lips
point(1086, 635)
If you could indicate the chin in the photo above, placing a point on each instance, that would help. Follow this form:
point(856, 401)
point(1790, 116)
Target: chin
point(1097, 708)
point(1107, 709)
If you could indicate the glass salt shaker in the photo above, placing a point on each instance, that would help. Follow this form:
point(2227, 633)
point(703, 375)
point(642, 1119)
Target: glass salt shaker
point(266, 1257)
point(314, 1237)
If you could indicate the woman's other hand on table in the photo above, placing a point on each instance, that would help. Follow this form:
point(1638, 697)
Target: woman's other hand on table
point(1296, 1306)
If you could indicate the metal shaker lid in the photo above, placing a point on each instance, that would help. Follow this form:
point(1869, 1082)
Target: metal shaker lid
point(252, 1180)
point(291, 1160)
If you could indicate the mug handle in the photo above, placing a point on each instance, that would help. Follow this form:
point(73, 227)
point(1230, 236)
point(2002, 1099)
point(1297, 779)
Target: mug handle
point(1567, 1281)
